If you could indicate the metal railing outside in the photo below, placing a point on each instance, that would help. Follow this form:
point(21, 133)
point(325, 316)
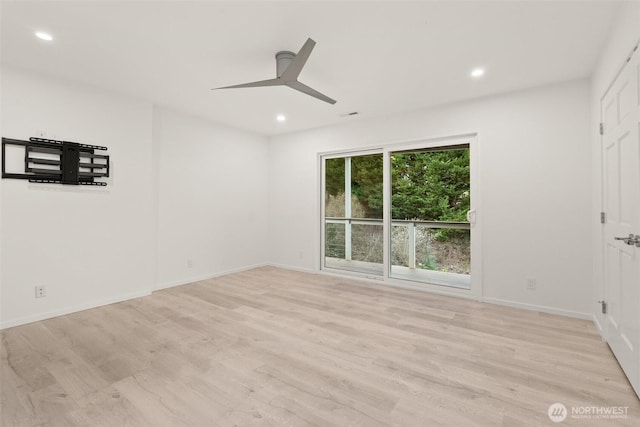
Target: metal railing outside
point(339, 237)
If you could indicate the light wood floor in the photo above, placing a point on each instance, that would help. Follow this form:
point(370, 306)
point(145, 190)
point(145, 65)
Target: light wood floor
point(282, 348)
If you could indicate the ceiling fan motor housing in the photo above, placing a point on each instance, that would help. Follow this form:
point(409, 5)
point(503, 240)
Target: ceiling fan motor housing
point(283, 59)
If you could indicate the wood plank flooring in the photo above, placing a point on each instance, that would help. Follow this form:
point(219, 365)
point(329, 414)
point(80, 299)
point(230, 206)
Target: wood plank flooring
point(275, 347)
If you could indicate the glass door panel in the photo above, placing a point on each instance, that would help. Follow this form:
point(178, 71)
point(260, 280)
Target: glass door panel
point(353, 214)
point(430, 196)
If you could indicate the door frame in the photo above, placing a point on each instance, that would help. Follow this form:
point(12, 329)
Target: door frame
point(470, 139)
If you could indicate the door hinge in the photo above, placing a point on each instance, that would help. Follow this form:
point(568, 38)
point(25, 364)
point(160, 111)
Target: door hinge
point(601, 128)
point(603, 217)
point(604, 306)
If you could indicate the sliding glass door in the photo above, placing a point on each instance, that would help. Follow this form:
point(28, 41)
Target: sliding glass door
point(400, 213)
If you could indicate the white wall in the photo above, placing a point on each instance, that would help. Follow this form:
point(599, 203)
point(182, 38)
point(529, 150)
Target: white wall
point(535, 171)
point(212, 198)
point(88, 245)
point(624, 36)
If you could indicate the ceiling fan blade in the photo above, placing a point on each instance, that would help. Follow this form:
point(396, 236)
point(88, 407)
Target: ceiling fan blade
point(309, 91)
point(295, 67)
point(261, 83)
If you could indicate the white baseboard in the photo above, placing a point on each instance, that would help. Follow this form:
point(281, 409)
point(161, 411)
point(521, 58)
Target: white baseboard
point(68, 310)
point(207, 276)
point(599, 327)
point(289, 267)
point(540, 308)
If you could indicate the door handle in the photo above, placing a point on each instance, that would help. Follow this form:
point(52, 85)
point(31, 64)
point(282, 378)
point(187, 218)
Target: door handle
point(631, 240)
point(471, 216)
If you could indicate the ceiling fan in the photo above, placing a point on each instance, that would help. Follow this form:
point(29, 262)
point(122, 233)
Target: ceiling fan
point(288, 68)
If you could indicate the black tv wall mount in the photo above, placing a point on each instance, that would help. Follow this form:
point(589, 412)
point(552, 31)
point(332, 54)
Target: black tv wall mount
point(58, 162)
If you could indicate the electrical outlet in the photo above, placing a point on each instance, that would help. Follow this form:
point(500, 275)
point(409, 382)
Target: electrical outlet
point(190, 263)
point(40, 292)
point(531, 284)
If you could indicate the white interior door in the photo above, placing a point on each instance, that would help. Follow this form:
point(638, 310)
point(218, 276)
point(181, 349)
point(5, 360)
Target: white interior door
point(620, 109)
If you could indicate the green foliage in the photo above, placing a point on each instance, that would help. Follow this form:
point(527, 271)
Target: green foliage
point(334, 177)
point(431, 186)
point(366, 183)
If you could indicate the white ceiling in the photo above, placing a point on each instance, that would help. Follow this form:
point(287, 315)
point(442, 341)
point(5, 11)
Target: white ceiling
point(376, 58)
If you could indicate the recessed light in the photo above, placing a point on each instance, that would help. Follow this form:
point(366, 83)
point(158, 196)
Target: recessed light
point(281, 118)
point(477, 72)
point(44, 36)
